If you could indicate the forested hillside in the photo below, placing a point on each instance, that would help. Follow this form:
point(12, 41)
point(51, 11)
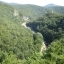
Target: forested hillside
point(19, 45)
point(14, 38)
point(50, 25)
point(35, 12)
point(55, 8)
point(32, 11)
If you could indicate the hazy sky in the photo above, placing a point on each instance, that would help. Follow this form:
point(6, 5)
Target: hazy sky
point(37, 2)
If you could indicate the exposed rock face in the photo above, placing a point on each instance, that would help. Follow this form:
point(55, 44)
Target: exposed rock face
point(25, 18)
point(24, 24)
point(43, 48)
point(16, 13)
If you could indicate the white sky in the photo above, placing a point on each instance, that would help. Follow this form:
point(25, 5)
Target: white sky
point(36, 2)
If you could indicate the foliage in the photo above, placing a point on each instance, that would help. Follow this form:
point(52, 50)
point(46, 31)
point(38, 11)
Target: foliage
point(19, 45)
point(51, 26)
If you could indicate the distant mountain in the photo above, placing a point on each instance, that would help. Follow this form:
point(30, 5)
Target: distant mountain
point(50, 5)
point(55, 8)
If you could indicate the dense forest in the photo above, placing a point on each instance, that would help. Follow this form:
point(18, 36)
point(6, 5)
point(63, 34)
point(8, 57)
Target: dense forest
point(19, 45)
point(51, 26)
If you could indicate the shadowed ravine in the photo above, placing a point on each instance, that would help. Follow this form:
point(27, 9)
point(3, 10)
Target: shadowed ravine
point(43, 47)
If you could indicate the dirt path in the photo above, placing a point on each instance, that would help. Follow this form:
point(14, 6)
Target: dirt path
point(43, 47)
point(24, 24)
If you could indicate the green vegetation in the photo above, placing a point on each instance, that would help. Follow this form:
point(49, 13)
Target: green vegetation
point(51, 26)
point(32, 11)
point(19, 45)
point(55, 8)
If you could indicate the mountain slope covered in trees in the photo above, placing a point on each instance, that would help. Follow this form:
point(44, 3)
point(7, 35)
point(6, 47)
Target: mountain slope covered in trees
point(50, 25)
point(34, 11)
point(14, 38)
point(19, 45)
point(55, 8)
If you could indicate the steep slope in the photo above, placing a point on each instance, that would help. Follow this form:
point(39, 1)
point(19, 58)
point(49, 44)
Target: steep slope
point(50, 25)
point(14, 38)
point(19, 45)
point(32, 11)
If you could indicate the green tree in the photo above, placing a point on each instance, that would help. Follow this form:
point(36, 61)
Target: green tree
point(11, 59)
